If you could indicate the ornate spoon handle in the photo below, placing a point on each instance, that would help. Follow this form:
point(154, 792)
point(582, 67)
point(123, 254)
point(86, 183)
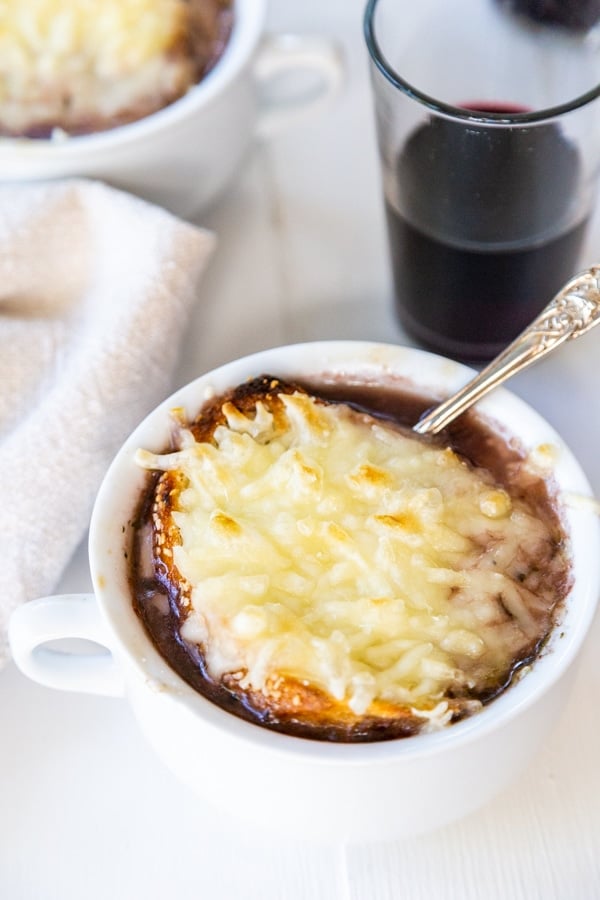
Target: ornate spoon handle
point(571, 313)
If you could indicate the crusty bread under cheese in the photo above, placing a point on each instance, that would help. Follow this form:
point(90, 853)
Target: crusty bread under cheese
point(338, 571)
point(82, 65)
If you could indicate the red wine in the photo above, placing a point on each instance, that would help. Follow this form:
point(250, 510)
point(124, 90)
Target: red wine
point(468, 303)
point(483, 230)
point(483, 106)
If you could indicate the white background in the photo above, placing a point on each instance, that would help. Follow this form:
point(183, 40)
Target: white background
point(85, 808)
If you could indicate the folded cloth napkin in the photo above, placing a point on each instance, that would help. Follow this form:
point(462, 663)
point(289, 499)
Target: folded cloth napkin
point(95, 290)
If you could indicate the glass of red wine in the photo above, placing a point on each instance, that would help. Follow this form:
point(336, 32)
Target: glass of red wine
point(488, 122)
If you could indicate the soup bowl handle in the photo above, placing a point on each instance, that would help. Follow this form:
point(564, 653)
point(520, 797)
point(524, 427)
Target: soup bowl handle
point(46, 638)
point(280, 58)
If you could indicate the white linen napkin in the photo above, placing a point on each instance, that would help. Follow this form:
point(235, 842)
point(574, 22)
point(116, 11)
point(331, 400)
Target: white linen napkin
point(95, 290)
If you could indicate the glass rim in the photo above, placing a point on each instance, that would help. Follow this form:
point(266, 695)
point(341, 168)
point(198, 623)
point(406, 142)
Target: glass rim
point(457, 112)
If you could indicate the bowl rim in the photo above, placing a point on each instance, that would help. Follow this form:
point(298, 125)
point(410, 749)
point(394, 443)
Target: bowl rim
point(135, 649)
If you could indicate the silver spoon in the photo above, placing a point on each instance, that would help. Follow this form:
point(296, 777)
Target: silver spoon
point(573, 311)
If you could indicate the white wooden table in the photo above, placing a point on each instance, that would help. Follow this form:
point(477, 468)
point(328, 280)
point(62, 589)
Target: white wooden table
point(85, 808)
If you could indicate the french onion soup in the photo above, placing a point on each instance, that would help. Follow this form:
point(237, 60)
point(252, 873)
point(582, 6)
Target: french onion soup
point(76, 66)
point(308, 563)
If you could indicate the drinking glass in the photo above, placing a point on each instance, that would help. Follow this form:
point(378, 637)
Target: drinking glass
point(488, 124)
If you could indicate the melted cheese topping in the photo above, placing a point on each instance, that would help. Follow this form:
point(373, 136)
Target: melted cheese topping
point(325, 546)
point(83, 57)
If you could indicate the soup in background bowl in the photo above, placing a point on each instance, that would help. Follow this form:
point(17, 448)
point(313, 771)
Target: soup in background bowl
point(327, 782)
point(162, 99)
point(68, 68)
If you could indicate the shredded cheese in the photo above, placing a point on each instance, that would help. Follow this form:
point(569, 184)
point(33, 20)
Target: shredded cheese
point(348, 555)
point(84, 60)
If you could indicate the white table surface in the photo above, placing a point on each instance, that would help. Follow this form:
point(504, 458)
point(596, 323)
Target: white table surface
point(86, 810)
